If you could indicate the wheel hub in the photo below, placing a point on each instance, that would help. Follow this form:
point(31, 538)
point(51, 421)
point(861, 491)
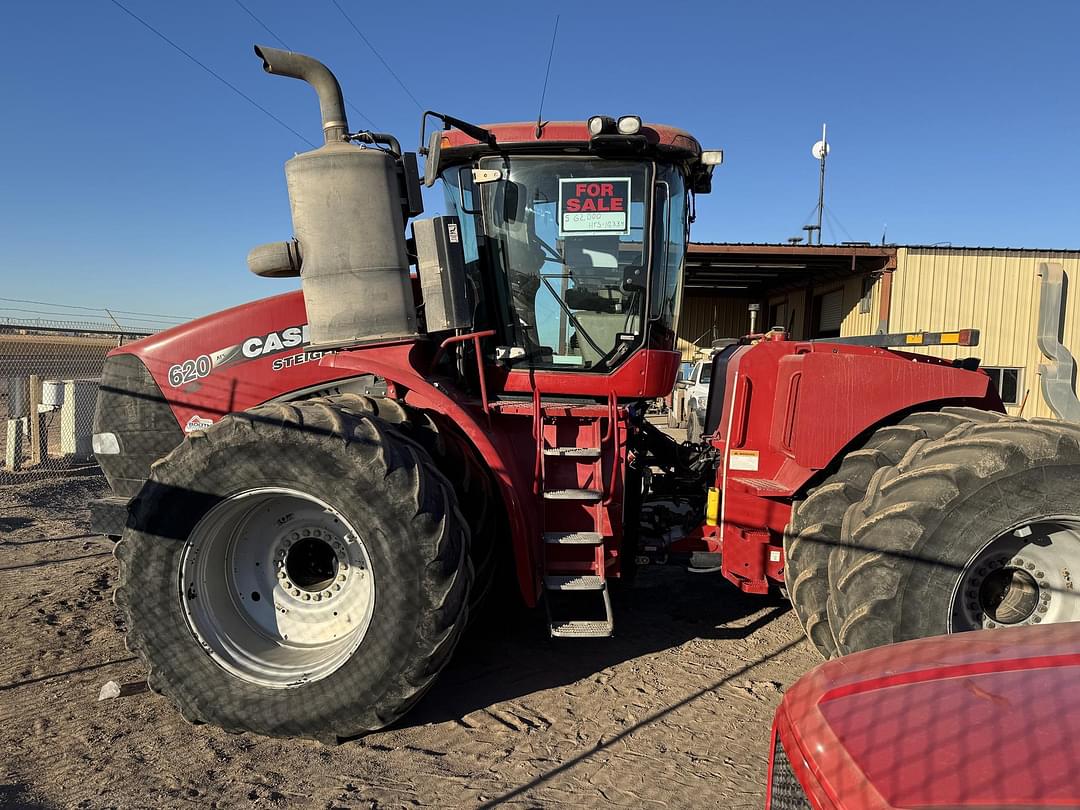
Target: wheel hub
point(277, 587)
point(1023, 576)
point(1009, 595)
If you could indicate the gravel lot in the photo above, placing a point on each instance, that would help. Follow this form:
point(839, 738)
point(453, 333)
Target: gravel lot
point(672, 712)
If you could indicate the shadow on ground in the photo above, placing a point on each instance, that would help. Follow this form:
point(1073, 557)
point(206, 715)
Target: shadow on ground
point(507, 654)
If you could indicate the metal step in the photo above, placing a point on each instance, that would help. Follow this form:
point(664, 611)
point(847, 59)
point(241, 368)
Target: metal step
point(579, 628)
point(573, 538)
point(575, 582)
point(589, 495)
point(589, 453)
point(582, 629)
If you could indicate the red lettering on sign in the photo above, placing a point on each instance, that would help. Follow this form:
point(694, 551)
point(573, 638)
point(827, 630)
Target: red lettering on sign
point(607, 190)
point(579, 189)
point(617, 204)
point(573, 204)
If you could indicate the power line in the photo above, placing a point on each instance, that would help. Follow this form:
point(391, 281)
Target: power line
point(263, 25)
point(217, 76)
point(284, 45)
point(386, 65)
point(96, 309)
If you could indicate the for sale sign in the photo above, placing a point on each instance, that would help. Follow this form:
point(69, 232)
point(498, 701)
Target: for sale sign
point(594, 205)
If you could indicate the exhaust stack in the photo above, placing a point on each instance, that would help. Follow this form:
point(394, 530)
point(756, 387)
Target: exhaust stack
point(349, 249)
point(335, 124)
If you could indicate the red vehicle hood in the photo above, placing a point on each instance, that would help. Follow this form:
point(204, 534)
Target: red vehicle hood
point(985, 719)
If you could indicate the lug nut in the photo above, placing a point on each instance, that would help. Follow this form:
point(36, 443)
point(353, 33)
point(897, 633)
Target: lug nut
point(337, 587)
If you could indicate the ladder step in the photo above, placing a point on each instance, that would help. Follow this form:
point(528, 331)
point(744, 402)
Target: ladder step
point(573, 538)
point(591, 495)
point(574, 582)
point(573, 452)
point(582, 629)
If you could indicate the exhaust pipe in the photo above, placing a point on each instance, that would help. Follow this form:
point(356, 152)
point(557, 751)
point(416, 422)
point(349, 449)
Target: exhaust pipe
point(297, 66)
point(348, 220)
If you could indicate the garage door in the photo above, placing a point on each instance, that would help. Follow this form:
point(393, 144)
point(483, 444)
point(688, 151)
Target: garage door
point(832, 312)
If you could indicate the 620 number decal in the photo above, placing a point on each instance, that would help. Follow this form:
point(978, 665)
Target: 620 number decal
point(190, 370)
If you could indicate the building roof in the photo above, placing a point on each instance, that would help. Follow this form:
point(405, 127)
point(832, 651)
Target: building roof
point(749, 269)
point(890, 246)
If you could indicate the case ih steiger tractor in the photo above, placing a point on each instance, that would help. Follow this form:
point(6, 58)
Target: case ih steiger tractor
point(316, 489)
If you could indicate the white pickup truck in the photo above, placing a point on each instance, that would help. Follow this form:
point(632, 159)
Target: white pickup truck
point(691, 394)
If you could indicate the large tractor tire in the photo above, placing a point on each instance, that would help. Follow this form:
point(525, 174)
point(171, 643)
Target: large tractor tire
point(297, 571)
point(978, 529)
point(815, 526)
point(457, 461)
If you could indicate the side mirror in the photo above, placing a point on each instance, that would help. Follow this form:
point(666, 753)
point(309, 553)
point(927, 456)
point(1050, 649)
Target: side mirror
point(510, 204)
point(431, 164)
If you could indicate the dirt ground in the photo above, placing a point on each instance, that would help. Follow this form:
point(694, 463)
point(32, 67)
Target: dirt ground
point(673, 711)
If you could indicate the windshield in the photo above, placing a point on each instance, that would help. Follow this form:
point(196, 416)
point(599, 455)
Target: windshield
point(557, 254)
point(569, 238)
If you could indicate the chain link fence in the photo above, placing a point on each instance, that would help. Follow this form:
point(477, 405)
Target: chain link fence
point(48, 388)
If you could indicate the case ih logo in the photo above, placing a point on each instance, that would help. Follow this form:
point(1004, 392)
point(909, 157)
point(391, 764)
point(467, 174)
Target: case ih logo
point(275, 342)
point(594, 205)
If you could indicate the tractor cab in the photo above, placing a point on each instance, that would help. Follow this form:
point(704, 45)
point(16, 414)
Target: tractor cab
point(574, 235)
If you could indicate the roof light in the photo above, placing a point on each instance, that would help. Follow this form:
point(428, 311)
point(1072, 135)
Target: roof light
point(629, 125)
point(712, 157)
point(599, 123)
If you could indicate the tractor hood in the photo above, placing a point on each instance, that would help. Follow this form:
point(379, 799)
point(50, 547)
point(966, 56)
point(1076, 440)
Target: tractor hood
point(233, 359)
point(984, 719)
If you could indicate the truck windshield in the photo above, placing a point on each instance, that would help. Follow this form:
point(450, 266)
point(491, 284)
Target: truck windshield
point(568, 238)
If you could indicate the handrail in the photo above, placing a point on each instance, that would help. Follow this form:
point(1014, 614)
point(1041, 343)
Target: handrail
point(538, 434)
point(475, 337)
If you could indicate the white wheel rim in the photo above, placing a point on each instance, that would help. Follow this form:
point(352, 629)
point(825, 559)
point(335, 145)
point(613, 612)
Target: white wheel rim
point(277, 587)
point(1026, 575)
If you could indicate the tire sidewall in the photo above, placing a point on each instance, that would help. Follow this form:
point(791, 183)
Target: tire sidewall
point(1001, 505)
point(360, 493)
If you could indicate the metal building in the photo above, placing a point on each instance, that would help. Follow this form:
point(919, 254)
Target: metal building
point(847, 290)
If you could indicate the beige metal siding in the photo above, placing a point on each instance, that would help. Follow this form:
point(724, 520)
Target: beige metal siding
point(855, 322)
point(705, 319)
point(996, 292)
point(794, 303)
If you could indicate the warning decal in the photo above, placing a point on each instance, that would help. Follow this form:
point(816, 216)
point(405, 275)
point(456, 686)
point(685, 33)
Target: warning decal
point(594, 205)
point(745, 460)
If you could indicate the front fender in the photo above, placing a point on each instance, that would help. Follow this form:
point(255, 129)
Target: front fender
point(403, 366)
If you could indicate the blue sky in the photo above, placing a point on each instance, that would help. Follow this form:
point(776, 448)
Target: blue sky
point(132, 179)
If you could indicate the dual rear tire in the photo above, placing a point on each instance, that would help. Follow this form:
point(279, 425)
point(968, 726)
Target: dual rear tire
point(949, 521)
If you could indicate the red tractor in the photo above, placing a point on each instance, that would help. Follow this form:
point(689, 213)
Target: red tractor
point(931, 723)
point(315, 490)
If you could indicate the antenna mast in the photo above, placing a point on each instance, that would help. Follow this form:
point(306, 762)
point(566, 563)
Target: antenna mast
point(820, 150)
